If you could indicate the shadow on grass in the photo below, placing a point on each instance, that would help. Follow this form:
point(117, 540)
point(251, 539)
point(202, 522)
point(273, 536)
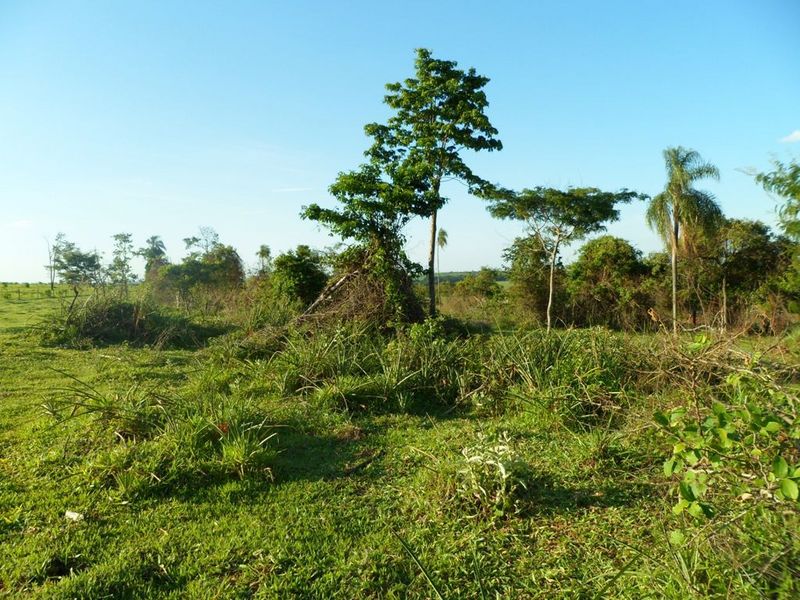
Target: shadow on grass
point(300, 457)
point(544, 496)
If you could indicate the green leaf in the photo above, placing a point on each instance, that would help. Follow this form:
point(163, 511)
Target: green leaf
point(669, 467)
point(680, 506)
point(661, 419)
point(780, 467)
point(686, 492)
point(676, 537)
point(789, 489)
point(695, 509)
point(772, 427)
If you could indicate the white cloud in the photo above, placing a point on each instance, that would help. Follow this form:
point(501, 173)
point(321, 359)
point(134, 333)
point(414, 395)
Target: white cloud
point(792, 137)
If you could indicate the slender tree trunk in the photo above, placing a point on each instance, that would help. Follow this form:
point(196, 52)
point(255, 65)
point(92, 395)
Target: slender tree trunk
point(431, 272)
point(552, 284)
point(675, 275)
point(438, 276)
point(724, 303)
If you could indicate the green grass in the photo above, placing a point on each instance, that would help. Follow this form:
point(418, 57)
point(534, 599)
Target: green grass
point(184, 494)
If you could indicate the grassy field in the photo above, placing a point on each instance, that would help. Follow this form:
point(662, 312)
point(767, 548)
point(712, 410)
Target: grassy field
point(332, 469)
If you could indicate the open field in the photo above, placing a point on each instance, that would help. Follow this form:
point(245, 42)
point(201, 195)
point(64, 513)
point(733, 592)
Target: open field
point(306, 471)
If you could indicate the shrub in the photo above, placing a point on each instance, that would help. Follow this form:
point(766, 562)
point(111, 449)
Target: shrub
point(583, 374)
point(105, 320)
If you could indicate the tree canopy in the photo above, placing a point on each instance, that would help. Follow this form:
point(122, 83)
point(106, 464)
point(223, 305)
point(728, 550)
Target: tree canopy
point(681, 214)
point(555, 217)
point(438, 113)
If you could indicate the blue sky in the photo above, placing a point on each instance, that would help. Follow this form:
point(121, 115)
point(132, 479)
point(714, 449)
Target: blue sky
point(160, 117)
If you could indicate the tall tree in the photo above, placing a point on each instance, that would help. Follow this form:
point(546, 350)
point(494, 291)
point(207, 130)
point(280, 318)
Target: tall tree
point(680, 214)
point(264, 256)
point(438, 113)
point(154, 253)
point(76, 268)
point(603, 283)
point(53, 252)
point(556, 217)
point(119, 271)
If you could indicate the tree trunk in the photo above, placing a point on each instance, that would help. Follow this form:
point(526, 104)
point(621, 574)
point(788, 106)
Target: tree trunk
point(552, 283)
point(438, 275)
point(675, 276)
point(431, 272)
point(724, 303)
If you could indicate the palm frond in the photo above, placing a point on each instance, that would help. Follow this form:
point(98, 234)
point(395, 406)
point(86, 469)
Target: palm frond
point(659, 216)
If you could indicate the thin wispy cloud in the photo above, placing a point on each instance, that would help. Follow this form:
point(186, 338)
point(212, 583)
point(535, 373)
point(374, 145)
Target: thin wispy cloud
point(792, 137)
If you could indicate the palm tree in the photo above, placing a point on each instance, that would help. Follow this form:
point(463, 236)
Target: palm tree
point(441, 241)
point(680, 214)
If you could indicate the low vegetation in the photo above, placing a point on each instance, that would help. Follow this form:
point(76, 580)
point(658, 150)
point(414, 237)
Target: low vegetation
point(427, 461)
point(617, 427)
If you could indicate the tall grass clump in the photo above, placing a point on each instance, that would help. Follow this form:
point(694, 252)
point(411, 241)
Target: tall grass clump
point(582, 374)
point(105, 319)
point(144, 443)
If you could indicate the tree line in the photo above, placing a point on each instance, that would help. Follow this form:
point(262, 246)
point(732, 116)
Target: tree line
point(712, 267)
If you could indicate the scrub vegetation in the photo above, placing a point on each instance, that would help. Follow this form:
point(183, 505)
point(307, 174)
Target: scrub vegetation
point(343, 424)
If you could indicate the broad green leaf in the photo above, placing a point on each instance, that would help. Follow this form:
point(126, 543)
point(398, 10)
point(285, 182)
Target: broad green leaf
point(789, 489)
point(695, 509)
point(686, 492)
point(669, 467)
point(680, 506)
point(661, 419)
point(676, 537)
point(780, 468)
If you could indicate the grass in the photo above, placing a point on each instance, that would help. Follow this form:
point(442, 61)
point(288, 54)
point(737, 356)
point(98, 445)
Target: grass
point(207, 474)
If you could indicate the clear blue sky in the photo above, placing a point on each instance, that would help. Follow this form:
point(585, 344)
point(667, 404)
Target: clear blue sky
point(159, 117)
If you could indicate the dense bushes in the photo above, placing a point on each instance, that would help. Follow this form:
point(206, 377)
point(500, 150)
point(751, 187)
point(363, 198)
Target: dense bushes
point(102, 320)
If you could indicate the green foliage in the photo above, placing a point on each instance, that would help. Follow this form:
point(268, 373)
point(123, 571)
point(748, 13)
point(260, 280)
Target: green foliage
point(784, 180)
point(492, 477)
point(103, 320)
point(76, 267)
point(300, 274)
point(732, 440)
point(483, 284)
point(682, 215)
point(528, 274)
point(200, 278)
point(555, 217)
point(154, 253)
point(372, 214)
point(120, 271)
point(604, 284)
point(165, 440)
point(438, 113)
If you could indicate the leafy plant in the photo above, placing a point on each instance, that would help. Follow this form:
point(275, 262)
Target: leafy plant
point(491, 476)
point(738, 439)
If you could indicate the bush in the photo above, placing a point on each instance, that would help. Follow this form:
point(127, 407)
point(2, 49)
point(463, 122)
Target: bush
point(105, 320)
point(582, 374)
